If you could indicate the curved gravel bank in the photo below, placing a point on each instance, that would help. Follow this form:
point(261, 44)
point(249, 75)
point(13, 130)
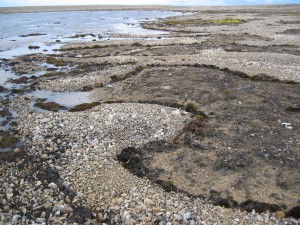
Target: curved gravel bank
point(80, 148)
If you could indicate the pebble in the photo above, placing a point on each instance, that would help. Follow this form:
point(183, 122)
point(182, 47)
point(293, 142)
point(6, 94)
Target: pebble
point(9, 196)
point(177, 217)
point(53, 186)
point(149, 202)
point(187, 215)
point(280, 214)
point(176, 112)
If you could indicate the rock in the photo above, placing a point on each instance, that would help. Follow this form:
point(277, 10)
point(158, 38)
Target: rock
point(47, 205)
point(43, 215)
point(280, 214)
point(9, 196)
point(177, 217)
point(167, 88)
point(168, 214)
point(149, 202)
point(53, 186)
point(63, 208)
point(40, 220)
point(259, 218)
point(4, 202)
point(46, 120)
point(117, 218)
point(176, 112)
point(120, 201)
point(187, 215)
point(24, 210)
point(192, 222)
point(126, 216)
point(15, 218)
point(57, 213)
point(38, 183)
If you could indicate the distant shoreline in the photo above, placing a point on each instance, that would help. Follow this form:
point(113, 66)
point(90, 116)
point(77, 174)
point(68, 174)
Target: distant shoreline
point(32, 9)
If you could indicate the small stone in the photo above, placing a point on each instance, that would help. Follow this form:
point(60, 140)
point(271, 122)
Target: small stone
point(100, 216)
point(46, 120)
point(53, 186)
point(168, 214)
point(38, 183)
point(166, 87)
point(57, 213)
point(43, 214)
point(259, 218)
point(4, 202)
point(192, 222)
point(9, 196)
point(117, 218)
point(177, 217)
point(126, 215)
point(40, 220)
point(280, 214)
point(176, 112)
point(120, 201)
point(6, 208)
point(15, 218)
point(187, 215)
point(47, 205)
point(24, 210)
point(149, 202)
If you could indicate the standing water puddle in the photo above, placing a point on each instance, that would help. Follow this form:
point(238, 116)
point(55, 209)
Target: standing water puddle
point(67, 99)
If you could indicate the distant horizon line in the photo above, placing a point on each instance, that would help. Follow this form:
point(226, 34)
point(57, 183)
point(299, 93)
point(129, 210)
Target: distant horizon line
point(150, 5)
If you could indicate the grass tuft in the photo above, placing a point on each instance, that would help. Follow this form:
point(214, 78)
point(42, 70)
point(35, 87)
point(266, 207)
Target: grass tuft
point(201, 22)
point(55, 61)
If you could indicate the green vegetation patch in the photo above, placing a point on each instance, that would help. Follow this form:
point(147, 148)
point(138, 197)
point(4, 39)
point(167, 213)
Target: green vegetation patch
point(293, 14)
point(21, 80)
point(84, 106)
point(53, 74)
point(201, 22)
point(7, 140)
point(55, 61)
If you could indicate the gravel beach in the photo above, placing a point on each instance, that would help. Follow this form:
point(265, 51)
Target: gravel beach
point(198, 125)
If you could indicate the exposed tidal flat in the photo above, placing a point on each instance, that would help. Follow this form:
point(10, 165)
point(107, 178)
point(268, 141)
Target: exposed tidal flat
point(192, 121)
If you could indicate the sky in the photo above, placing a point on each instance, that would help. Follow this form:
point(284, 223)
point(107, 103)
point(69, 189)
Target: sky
point(8, 3)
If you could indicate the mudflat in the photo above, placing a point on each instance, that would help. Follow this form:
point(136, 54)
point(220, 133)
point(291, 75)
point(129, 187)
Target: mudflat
point(197, 125)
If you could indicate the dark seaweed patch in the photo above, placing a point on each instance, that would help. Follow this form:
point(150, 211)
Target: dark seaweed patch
point(80, 215)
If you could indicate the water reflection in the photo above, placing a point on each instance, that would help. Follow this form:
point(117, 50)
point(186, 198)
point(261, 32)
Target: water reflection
point(68, 99)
